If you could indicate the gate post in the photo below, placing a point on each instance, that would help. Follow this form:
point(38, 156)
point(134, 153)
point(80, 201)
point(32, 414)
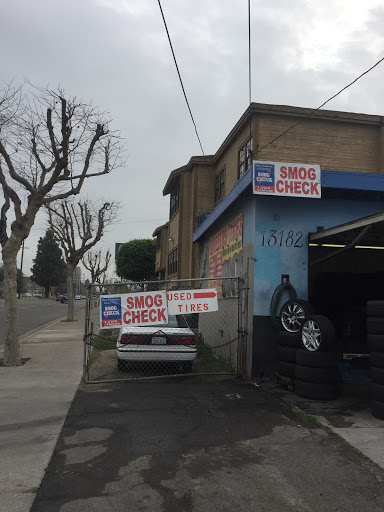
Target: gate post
point(242, 327)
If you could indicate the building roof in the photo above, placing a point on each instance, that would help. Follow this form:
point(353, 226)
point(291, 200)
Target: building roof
point(278, 110)
point(160, 228)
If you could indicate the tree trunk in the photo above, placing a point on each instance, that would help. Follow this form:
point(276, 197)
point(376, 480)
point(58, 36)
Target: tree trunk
point(46, 292)
point(71, 301)
point(11, 347)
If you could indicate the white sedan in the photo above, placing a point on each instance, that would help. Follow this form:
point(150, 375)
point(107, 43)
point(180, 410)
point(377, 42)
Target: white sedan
point(173, 342)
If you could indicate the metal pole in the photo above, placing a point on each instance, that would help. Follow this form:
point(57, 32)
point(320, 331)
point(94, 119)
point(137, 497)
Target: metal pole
point(21, 266)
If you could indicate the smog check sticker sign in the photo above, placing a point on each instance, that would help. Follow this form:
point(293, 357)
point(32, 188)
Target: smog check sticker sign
point(287, 179)
point(136, 309)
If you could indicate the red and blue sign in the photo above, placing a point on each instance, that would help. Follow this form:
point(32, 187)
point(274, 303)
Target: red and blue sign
point(287, 179)
point(111, 315)
point(264, 178)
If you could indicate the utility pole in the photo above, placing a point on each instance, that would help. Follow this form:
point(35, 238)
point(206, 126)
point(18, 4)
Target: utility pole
point(21, 266)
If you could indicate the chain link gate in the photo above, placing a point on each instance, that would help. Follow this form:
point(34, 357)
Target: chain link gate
point(191, 343)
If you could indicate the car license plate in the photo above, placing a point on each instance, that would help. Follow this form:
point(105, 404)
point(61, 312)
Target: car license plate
point(157, 340)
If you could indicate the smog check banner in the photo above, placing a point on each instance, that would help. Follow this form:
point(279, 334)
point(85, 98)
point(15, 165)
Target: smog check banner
point(287, 179)
point(135, 309)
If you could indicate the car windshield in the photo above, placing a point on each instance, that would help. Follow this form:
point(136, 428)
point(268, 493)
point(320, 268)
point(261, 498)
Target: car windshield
point(175, 321)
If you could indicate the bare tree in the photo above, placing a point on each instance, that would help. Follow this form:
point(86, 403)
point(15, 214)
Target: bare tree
point(49, 144)
point(96, 264)
point(78, 226)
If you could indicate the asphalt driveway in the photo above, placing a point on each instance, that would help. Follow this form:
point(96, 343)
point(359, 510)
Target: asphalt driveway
point(197, 445)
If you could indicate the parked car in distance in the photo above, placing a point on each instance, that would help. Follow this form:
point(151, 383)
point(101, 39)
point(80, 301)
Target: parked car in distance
point(77, 297)
point(173, 342)
point(64, 299)
point(59, 297)
point(83, 296)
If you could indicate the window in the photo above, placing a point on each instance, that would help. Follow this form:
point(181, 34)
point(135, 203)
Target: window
point(245, 158)
point(158, 241)
point(219, 185)
point(174, 201)
point(172, 262)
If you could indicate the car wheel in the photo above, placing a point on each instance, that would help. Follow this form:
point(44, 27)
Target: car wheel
point(121, 365)
point(317, 333)
point(293, 314)
point(187, 367)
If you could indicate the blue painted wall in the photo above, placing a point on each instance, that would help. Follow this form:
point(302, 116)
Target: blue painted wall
point(281, 239)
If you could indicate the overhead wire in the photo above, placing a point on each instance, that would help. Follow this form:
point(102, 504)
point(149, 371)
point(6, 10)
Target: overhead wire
point(321, 106)
point(182, 86)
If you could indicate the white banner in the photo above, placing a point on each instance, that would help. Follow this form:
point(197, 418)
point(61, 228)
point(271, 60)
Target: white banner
point(287, 179)
point(136, 309)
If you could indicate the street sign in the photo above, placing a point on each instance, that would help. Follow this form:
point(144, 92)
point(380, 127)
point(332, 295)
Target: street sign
point(136, 309)
point(192, 301)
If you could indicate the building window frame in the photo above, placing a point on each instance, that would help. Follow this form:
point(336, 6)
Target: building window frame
point(245, 157)
point(172, 261)
point(219, 185)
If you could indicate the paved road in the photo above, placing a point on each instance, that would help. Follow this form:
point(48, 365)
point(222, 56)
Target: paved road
point(195, 446)
point(35, 312)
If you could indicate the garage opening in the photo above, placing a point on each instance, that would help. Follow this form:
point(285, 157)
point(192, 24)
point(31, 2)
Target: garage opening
point(346, 269)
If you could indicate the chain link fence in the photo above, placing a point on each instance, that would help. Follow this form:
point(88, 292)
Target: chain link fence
point(193, 341)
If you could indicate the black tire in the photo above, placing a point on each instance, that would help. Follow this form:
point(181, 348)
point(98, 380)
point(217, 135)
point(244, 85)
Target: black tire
point(375, 308)
point(287, 354)
point(287, 339)
point(375, 325)
point(187, 367)
point(316, 391)
point(375, 342)
point(377, 359)
point(317, 359)
point(287, 369)
point(121, 365)
point(377, 409)
point(293, 314)
point(377, 375)
point(377, 392)
point(317, 334)
point(316, 375)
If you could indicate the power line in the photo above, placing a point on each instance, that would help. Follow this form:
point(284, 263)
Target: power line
point(178, 72)
point(322, 105)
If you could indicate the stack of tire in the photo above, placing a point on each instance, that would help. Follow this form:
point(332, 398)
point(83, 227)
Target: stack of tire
point(375, 342)
point(316, 369)
point(292, 315)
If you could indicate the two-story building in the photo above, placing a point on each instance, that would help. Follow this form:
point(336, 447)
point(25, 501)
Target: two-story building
point(211, 193)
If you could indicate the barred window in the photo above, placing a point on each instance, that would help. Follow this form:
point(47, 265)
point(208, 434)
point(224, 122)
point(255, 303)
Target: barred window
point(219, 185)
point(172, 262)
point(174, 201)
point(245, 157)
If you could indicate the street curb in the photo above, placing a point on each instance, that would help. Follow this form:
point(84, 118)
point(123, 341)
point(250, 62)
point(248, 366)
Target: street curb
point(23, 338)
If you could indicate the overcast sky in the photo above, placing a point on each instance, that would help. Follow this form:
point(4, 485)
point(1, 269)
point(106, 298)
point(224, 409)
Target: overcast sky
point(116, 53)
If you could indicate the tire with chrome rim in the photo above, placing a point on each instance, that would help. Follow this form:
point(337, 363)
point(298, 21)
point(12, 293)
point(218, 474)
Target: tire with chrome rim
point(293, 314)
point(317, 333)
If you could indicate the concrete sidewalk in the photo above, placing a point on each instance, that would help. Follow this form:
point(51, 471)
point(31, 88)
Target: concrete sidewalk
point(34, 401)
point(349, 416)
